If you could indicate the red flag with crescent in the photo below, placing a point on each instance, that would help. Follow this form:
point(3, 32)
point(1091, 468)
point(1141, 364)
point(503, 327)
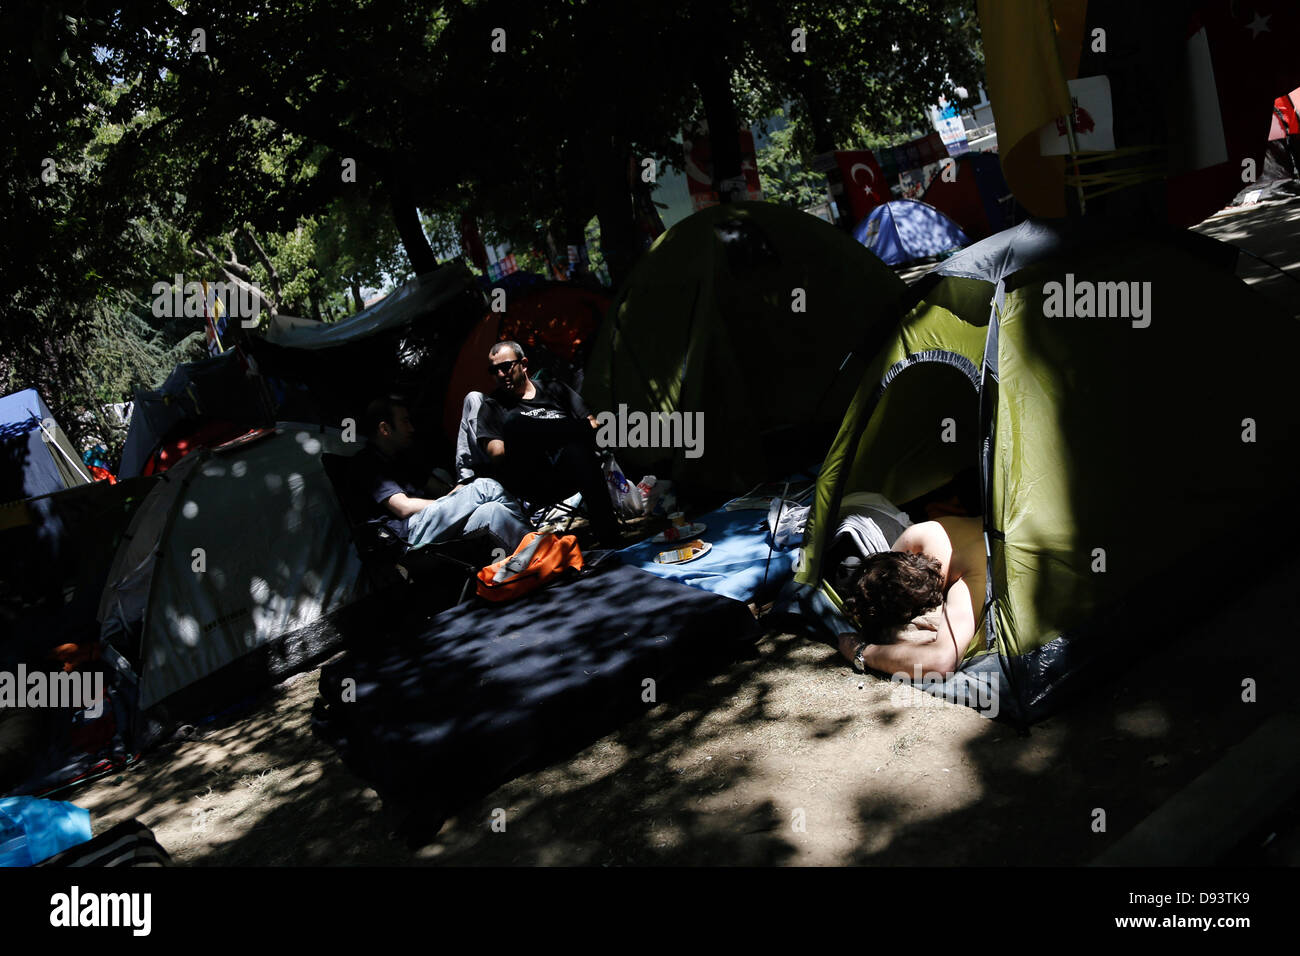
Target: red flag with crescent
point(864, 181)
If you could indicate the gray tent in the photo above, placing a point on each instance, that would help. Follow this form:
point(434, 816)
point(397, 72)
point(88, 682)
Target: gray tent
point(237, 547)
point(420, 296)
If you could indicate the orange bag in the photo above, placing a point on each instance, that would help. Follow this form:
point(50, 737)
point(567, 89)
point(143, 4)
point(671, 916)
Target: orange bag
point(538, 560)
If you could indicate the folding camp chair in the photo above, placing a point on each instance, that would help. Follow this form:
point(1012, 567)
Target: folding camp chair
point(389, 561)
point(471, 462)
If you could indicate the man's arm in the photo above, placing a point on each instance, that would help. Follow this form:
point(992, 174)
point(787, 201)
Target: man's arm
point(914, 660)
point(488, 429)
point(404, 506)
point(956, 629)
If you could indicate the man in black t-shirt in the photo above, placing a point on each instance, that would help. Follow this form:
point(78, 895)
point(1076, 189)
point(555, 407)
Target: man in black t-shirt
point(541, 440)
point(406, 506)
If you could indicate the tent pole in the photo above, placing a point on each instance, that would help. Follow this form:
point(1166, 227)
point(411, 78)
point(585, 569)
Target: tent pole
point(1074, 158)
point(50, 440)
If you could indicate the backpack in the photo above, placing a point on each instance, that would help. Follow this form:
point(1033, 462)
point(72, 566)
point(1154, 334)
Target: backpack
point(539, 560)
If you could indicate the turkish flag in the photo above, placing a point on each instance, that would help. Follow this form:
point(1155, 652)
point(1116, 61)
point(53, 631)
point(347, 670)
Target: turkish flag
point(1251, 49)
point(864, 181)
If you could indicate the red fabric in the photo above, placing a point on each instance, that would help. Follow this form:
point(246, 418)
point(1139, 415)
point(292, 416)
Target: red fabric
point(1252, 48)
point(102, 474)
point(864, 181)
point(960, 200)
point(209, 435)
point(1284, 105)
point(699, 166)
point(554, 555)
point(559, 318)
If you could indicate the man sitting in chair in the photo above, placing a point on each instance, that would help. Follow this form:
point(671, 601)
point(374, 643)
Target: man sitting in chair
point(407, 508)
point(541, 440)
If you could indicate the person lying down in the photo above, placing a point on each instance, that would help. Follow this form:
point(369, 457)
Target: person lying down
point(919, 603)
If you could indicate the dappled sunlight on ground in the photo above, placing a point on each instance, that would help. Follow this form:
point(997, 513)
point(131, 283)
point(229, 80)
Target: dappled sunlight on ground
point(1270, 230)
point(786, 758)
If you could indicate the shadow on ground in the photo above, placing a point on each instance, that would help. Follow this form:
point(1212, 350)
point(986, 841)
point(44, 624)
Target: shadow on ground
point(781, 760)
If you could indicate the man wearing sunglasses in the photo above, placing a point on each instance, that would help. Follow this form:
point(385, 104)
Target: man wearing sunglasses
point(541, 440)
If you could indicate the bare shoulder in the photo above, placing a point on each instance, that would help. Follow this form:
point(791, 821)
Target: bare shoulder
point(966, 536)
point(926, 536)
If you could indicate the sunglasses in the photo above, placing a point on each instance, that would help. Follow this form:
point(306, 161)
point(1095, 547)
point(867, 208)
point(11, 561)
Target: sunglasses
point(503, 368)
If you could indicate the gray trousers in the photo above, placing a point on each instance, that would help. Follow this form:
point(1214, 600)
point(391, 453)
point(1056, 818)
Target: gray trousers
point(481, 504)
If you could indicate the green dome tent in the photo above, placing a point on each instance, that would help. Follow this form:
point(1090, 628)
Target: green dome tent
point(1113, 451)
point(708, 323)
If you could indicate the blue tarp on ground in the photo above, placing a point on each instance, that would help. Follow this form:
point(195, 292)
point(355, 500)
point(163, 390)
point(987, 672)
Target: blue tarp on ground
point(483, 692)
point(737, 567)
point(905, 230)
point(32, 830)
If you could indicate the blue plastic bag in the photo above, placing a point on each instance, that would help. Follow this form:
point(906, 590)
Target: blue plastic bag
point(32, 829)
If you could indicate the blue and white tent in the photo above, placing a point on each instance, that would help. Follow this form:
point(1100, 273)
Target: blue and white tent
point(904, 230)
point(36, 457)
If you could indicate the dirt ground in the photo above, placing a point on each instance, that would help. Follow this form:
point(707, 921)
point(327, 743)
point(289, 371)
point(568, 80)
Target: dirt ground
point(876, 773)
point(787, 758)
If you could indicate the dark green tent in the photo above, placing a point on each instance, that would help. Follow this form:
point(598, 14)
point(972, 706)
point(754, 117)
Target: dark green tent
point(1119, 432)
point(744, 313)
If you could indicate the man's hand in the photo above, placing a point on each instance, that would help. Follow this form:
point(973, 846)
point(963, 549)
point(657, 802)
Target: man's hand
point(849, 641)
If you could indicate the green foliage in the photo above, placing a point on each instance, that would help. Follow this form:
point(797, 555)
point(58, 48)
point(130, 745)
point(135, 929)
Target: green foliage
point(785, 177)
point(227, 162)
point(870, 68)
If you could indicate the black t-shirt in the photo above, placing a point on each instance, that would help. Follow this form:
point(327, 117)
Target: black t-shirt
point(549, 420)
point(376, 478)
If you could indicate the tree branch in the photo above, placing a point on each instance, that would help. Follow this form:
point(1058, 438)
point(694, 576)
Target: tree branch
point(266, 262)
point(201, 250)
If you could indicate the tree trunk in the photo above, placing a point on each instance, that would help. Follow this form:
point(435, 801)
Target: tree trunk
point(356, 296)
point(713, 80)
point(606, 160)
point(407, 219)
point(577, 208)
point(816, 101)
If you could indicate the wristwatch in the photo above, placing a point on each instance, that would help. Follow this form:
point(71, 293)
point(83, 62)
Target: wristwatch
point(858, 664)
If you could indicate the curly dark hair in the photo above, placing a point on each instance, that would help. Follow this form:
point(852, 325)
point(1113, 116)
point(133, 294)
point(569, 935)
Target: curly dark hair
point(895, 587)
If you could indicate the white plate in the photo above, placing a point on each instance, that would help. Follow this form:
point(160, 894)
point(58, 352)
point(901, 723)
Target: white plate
point(684, 534)
point(703, 551)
